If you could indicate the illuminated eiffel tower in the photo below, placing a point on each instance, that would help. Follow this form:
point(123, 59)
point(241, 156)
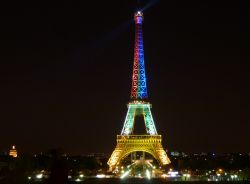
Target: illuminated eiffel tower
point(127, 142)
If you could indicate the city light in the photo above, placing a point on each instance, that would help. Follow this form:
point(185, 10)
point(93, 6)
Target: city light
point(173, 174)
point(100, 175)
point(187, 175)
point(39, 176)
point(125, 174)
point(234, 176)
point(78, 180)
point(164, 175)
point(148, 174)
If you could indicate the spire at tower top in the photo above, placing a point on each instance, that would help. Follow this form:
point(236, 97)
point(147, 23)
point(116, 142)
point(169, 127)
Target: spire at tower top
point(138, 17)
point(139, 84)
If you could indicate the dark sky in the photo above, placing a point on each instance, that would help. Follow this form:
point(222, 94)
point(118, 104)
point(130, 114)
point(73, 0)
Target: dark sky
point(66, 70)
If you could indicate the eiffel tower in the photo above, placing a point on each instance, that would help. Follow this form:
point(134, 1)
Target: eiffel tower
point(127, 142)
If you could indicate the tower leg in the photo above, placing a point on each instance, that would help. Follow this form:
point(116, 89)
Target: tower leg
point(149, 122)
point(129, 121)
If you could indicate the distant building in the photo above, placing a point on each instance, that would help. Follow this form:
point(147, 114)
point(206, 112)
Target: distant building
point(175, 153)
point(178, 154)
point(13, 151)
point(98, 155)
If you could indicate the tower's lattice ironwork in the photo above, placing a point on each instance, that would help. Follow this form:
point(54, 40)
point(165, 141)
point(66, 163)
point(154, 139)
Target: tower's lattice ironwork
point(139, 84)
point(127, 142)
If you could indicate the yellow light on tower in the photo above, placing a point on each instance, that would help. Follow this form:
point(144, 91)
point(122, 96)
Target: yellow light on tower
point(13, 151)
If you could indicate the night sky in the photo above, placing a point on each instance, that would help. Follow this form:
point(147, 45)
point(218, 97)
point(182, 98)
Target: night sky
point(66, 70)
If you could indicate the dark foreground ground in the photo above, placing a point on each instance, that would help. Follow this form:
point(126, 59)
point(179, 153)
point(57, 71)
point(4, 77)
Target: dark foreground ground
point(126, 181)
point(152, 181)
point(155, 182)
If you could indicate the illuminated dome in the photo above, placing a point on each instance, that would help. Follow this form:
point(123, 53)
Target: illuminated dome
point(13, 151)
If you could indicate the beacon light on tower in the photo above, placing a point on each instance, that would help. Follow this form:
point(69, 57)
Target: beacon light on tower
point(138, 17)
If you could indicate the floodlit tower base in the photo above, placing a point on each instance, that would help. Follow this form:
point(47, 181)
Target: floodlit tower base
point(127, 144)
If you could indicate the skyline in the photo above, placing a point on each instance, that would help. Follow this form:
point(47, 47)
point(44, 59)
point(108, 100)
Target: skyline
point(67, 73)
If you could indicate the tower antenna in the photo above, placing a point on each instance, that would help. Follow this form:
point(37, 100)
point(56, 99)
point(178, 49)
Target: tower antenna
point(138, 5)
